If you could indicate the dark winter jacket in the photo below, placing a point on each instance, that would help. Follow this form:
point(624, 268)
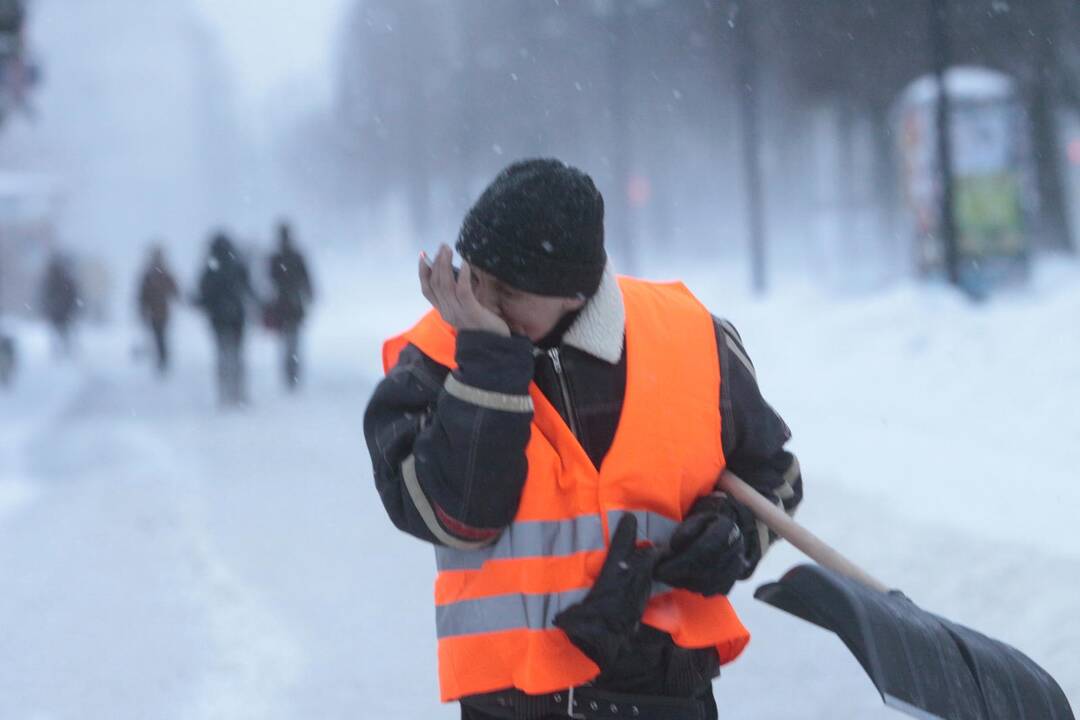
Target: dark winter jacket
point(225, 288)
point(473, 464)
point(156, 291)
point(292, 285)
point(59, 293)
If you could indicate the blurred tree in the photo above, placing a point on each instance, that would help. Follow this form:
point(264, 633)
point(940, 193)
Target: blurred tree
point(434, 98)
point(17, 74)
point(394, 72)
point(744, 21)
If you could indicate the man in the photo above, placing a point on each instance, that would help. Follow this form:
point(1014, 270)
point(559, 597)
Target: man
point(157, 291)
point(544, 407)
point(7, 359)
point(224, 292)
point(293, 293)
point(60, 300)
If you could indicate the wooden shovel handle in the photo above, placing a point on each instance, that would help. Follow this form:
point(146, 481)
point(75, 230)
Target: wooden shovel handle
point(778, 520)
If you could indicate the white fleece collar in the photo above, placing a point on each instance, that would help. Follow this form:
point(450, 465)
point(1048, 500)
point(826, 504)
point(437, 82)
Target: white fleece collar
point(599, 329)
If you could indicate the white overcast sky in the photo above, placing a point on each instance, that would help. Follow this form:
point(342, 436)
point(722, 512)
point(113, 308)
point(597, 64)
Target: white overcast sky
point(273, 43)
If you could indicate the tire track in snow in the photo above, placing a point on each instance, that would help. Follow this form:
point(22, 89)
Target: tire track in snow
point(252, 658)
point(256, 659)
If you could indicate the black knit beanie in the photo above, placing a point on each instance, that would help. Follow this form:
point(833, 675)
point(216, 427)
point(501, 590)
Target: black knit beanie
point(539, 227)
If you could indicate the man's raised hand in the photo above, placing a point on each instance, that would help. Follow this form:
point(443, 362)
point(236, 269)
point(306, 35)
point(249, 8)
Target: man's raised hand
point(453, 296)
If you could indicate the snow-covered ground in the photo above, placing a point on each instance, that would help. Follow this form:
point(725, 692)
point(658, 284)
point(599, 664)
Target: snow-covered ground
point(162, 559)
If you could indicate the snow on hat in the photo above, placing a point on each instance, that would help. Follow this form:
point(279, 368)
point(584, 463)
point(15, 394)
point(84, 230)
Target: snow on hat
point(539, 227)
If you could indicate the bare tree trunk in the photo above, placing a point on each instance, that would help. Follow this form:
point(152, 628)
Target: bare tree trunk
point(746, 74)
point(465, 165)
point(411, 140)
point(885, 183)
point(618, 211)
point(939, 38)
point(846, 180)
point(1054, 230)
point(618, 207)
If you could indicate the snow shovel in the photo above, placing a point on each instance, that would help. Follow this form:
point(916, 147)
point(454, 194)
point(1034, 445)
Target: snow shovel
point(923, 665)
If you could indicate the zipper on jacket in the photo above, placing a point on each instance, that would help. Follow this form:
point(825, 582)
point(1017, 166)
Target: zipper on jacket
point(564, 390)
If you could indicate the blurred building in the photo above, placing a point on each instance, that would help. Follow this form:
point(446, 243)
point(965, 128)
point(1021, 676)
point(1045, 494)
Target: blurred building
point(17, 71)
point(133, 118)
point(29, 207)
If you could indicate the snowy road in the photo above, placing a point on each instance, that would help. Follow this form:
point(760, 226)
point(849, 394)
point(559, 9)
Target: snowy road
point(164, 560)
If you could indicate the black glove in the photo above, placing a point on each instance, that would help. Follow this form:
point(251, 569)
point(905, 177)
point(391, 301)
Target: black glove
point(707, 552)
point(600, 625)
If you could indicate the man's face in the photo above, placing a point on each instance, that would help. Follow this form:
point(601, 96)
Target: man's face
point(527, 314)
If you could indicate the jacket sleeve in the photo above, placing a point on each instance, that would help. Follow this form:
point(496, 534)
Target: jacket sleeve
point(753, 437)
point(448, 449)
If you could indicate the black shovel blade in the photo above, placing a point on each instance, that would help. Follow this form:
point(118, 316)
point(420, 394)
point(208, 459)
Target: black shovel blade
point(922, 664)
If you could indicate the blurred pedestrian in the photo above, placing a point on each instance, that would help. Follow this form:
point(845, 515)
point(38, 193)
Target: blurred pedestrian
point(223, 294)
point(157, 290)
point(292, 295)
point(7, 352)
point(60, 300)
point(7, 359)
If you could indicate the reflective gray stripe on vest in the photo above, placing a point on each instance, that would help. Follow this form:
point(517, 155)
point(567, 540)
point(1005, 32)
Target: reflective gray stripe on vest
point(517, 611)
point(651, 526)
point(503, 612)
point(510, 612)
point(533, 538)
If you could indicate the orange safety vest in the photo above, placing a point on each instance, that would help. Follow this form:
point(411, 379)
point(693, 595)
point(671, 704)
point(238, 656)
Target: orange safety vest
point(495, 605)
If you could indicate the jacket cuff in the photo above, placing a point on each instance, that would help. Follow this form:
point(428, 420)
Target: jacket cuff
point(495, 363)
point(443, 527)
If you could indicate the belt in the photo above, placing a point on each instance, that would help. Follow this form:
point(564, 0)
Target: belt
point(586, 703)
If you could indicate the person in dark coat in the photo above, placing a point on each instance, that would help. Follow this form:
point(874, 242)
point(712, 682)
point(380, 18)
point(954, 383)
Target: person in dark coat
point(539, 326)
point(7, 354)
point(7, 359)
point(60, 300)
point(293, 293)
point(157, 291)
point(224, 293)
